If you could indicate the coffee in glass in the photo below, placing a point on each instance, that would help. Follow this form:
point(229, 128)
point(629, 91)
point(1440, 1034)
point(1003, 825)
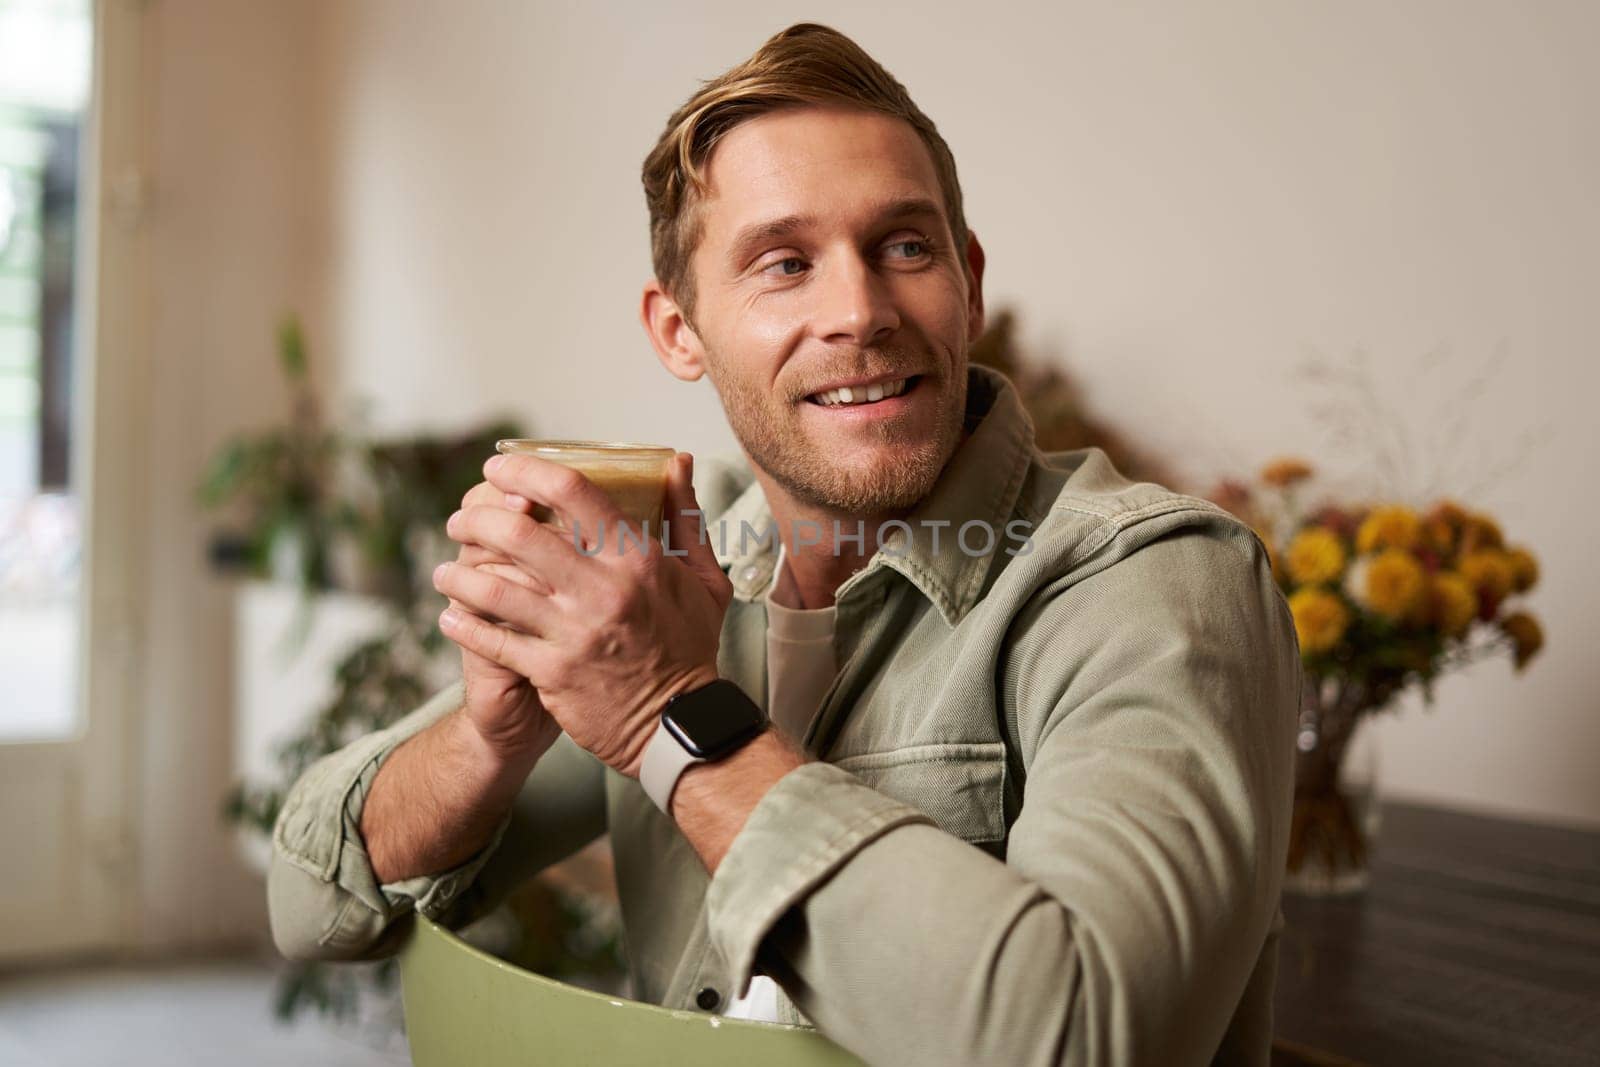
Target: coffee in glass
point(633, 476)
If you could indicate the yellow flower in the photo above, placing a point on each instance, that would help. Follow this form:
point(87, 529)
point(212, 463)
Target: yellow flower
point(1389, 526)
point(1489, 572)
point(1452, 602)
point(1393, 584)
point(1282, 473)
point(1320, 619)
point(1527, 637)
point(1439, 535)
point(1480, 532)
point(1524, 569)
point(1441, 525)
point(1315, 556)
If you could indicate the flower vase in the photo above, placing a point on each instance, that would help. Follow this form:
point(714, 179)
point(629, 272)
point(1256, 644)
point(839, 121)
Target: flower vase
point(1336, 814)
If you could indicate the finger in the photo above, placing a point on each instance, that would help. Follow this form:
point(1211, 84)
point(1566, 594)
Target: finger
point(498, 644)
point(483, 494)
point(686, 525)
point(543, 551)
point(496, 562)
point(493, 596)
point(578, 502)
point(470, 661)
point(451, 602)
point(513, 573)
point(477, 556)
point(487, 494)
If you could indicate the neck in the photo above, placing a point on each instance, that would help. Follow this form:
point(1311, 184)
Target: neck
point(814, 564)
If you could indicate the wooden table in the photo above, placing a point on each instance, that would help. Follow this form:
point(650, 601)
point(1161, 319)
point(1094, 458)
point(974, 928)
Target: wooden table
point(1477, 942)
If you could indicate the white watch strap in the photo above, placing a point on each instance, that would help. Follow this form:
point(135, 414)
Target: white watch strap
point(664, 762)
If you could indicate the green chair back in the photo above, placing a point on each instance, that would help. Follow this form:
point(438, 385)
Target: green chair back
point(464, 1007)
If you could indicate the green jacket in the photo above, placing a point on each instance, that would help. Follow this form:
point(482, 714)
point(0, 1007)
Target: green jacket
point(1049, 814)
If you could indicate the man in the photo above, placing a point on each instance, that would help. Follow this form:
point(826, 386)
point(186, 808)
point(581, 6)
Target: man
point(999, 743)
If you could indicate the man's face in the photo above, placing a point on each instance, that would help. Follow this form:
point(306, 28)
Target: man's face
point(826, 268)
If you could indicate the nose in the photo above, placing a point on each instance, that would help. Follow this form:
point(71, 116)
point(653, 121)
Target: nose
point(854, 304)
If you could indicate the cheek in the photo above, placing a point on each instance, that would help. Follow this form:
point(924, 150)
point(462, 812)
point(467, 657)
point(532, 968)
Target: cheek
point(938, 305)
point(755, 339)
point(770, 329)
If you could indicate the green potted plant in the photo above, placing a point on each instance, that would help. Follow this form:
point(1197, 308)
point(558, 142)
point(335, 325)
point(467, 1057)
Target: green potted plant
point(281, 485)
point(307, 495)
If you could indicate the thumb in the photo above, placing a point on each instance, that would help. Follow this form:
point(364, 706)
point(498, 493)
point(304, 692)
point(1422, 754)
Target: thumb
point(686, 524)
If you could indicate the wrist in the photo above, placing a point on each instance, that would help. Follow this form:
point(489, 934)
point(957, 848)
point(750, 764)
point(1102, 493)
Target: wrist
point(712, 801)
point(696, 679)
point(501, 760)
point(655, 704)
point(436, 799)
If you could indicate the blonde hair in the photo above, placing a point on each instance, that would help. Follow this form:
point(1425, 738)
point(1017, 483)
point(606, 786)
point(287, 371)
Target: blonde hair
point(804, 64)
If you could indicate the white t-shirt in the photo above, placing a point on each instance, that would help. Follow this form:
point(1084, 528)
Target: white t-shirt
point(800, 668)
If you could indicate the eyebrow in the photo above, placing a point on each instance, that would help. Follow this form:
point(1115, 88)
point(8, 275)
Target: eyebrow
point(758, 233)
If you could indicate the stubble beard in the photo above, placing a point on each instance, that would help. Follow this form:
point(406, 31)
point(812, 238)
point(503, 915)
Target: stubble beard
point(816, 475)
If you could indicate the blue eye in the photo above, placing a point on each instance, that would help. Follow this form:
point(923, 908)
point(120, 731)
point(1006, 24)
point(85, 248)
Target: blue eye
point(919, 245)
point(782, 265)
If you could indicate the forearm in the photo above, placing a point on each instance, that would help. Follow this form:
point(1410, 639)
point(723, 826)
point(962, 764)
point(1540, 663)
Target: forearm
point(968, 962)
point(1084, 953)
point(713, 800)
point(438, 798)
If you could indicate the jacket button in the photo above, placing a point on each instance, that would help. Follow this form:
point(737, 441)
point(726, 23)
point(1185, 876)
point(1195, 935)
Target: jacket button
point(708, 998)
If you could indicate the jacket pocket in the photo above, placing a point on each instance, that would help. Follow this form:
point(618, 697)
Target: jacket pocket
point(960, 786)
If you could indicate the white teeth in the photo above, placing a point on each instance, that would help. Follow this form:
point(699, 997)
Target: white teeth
point(869, 395)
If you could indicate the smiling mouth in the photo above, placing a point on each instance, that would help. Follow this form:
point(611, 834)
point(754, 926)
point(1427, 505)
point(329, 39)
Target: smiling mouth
point(856, 396)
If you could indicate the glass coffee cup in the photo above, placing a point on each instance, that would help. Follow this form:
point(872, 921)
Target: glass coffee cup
point(633, 476)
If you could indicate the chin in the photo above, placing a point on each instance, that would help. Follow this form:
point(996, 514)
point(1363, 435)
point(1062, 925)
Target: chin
point(892, 479)
point(855, 470)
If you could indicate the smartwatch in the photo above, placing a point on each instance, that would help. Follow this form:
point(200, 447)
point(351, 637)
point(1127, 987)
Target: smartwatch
point(700, 726)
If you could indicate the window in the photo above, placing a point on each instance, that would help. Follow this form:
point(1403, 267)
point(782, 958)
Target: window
point(45, 63)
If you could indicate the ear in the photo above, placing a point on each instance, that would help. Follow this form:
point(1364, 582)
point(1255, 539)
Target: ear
point(674, 339)
point(974, 265)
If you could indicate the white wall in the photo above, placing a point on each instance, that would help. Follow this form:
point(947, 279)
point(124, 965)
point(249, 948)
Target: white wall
point(1183, 202)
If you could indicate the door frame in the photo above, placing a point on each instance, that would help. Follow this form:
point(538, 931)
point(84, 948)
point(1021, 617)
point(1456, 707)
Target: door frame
point(111, 416)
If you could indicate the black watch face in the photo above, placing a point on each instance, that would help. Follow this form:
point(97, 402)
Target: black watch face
point(709, 721)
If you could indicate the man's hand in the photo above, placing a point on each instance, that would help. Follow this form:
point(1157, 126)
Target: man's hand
point(500, 704)
point(605, 635)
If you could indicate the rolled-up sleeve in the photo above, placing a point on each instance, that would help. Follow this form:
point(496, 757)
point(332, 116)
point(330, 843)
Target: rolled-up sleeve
point(1155, 706)
point(817, 817)
point(324, 899)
